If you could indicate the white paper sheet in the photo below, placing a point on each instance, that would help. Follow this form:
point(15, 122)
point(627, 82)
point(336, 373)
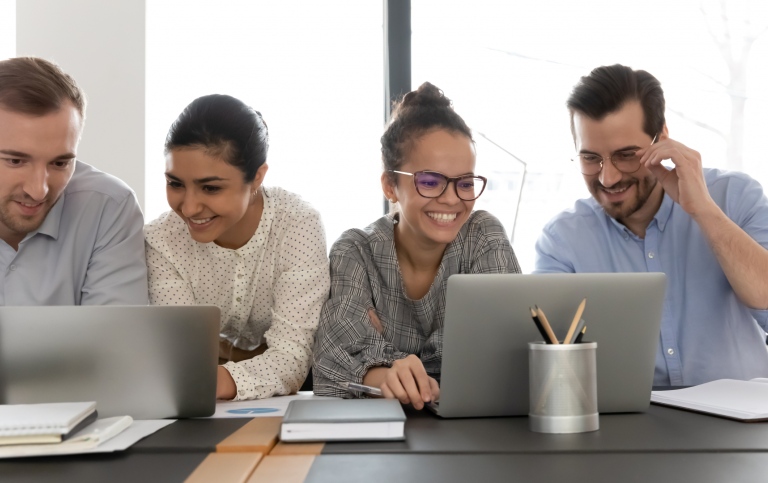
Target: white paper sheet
point(139, 429)
point(270, 407)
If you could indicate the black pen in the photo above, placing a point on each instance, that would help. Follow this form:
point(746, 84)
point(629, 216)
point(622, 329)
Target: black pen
point(580, 336)
point(537, 321)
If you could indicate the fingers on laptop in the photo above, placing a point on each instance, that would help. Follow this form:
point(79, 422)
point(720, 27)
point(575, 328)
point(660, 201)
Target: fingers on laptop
point(408, 382)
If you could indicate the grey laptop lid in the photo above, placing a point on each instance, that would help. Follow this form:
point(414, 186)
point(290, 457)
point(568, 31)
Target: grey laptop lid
point(488, 326)
point(148, 362)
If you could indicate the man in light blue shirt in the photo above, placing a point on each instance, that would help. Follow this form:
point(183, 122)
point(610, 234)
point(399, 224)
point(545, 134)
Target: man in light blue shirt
point(69, 234)
point(706, 229)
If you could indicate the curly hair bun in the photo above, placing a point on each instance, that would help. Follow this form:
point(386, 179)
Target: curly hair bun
point(427, 95)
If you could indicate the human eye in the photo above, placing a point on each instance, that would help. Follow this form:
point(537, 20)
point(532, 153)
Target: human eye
point(173, 183)
point(625, 156)
point(62, 163)
point(429, 181)
point(467, 184)
point(13, 161)
point(211, 188)
point(591, 158)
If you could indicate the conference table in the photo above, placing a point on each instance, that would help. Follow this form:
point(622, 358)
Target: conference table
point(661, 444)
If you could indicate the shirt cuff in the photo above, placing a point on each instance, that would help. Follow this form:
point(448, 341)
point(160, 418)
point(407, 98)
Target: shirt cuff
point(244, 388)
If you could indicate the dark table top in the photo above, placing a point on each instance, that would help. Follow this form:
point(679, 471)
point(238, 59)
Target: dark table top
point(659, 443)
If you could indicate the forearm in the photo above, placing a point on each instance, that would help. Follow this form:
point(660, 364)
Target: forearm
point(375, 376)
point(742, 259)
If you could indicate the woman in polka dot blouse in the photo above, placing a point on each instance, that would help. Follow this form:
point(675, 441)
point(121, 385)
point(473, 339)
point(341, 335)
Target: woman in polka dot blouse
point(256, 252)
point(383, 323)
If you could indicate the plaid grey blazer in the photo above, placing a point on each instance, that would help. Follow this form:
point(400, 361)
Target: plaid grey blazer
point(365, 275)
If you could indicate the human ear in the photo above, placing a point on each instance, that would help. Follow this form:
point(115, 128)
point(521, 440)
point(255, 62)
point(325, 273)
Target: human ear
point(664, 133)
point(388, 187)
point(260, 174)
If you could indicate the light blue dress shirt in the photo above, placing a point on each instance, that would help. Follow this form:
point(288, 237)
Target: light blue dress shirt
point(706, 332)
point(88, 251)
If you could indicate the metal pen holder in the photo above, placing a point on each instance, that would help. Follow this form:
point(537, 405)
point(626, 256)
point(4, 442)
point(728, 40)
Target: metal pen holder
point(562, 387)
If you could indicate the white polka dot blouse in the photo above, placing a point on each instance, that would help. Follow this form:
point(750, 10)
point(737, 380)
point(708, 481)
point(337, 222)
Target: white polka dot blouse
point(269, 290)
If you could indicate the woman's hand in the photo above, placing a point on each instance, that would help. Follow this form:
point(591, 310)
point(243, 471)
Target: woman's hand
point(225, 385)
point(406, 381)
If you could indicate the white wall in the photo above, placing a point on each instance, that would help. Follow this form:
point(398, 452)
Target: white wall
point(102, 45)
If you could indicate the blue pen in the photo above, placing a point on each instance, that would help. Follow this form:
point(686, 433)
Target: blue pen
point(353, 386)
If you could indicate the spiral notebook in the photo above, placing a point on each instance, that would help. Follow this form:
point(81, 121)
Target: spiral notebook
point(43, 423)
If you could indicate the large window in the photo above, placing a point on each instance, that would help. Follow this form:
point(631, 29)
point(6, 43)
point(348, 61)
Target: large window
point(7, 28)
point(509, 67)
point(313, 69)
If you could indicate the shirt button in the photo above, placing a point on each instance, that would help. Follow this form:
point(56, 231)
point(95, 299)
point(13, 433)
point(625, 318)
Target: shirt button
point(650, 254)
point(241, 392)
point(13, 267)
point(239, 299)
point(240, 275)
point(671, 351)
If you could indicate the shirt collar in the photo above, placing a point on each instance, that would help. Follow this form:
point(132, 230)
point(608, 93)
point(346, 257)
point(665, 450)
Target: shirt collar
point(50, 225)
point(662, 215)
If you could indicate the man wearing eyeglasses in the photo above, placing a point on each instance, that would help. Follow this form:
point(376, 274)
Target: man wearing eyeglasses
point(706, 229)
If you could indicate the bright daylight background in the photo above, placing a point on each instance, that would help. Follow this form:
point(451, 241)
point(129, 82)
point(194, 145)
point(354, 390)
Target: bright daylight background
point(314, 70)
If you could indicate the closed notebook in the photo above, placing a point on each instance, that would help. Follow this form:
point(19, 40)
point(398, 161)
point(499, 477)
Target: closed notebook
point(43, 423)
point(82, 441)
point(343, 420)
point(741, 400)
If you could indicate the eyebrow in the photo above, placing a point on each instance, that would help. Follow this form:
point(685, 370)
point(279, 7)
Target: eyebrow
point(19, 154)
point(197, 181)
point(625, 148)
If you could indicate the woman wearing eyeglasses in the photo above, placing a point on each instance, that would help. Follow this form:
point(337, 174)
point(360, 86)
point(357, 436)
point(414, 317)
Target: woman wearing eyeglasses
point(382, 325)
point(257, 252)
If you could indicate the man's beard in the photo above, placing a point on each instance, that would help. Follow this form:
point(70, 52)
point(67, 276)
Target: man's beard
point(621, 211)
point(20, 224)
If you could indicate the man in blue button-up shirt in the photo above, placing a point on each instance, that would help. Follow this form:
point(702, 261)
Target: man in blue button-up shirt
point(706, 229)
point(69, 234)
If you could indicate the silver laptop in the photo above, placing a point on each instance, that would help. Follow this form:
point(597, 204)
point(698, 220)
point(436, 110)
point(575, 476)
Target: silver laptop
point(148, 362)
point(488, 326)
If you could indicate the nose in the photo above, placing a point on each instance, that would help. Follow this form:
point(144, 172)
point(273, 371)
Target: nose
point(449, 195)
point(609, 175)
point(36, 184)
point(190, 205)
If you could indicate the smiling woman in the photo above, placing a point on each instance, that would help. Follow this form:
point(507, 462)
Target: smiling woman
point(256, 252)
point(382, 324)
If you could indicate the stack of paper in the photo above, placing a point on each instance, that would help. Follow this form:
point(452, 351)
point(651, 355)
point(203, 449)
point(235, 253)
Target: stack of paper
point(742, 400)
point(43, 423)
point(55, 428)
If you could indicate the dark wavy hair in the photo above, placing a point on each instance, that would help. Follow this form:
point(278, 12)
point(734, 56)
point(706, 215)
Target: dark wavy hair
point(413, 115)
point(224, 127)
point(606, 89)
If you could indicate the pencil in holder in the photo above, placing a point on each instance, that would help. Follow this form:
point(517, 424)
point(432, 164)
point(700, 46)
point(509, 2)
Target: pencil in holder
point(563, 387)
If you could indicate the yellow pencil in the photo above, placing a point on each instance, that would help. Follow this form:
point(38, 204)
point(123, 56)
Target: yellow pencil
point(569, 336)
point(547, 327)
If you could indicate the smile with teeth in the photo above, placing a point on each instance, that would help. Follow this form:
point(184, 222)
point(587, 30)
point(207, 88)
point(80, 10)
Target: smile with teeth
point(29, 205)
point(442, 217)
point(614, 191)
point(201, 221)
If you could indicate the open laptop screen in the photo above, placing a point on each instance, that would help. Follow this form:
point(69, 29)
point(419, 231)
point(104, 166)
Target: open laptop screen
point(488, 326)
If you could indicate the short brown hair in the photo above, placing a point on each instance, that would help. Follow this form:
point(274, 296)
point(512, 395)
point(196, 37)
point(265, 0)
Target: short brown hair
point(608, 88)
point(35, 86)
